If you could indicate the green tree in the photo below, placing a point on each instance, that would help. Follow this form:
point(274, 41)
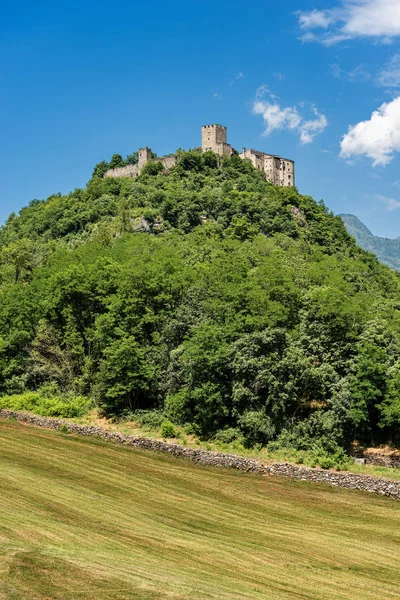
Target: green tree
point(100, 169)
point(124, 377)
point(132, 159)
point(116, 161)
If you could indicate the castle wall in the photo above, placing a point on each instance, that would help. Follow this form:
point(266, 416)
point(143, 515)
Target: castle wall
point(128, 171)
point(134, 170)
point(168, 161)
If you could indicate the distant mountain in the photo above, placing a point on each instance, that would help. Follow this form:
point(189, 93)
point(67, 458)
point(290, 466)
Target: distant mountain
point(386, 249)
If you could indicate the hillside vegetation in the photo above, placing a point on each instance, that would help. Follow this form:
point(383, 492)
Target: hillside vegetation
point(386, 249)
point(234, 308)
point(90, 520)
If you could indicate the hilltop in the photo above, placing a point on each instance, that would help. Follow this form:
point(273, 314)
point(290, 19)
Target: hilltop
point(386, 249)
point(203, 298)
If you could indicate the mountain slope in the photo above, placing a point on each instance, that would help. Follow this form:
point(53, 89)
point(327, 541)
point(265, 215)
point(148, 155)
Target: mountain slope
point(233, 308)
point(386, 249)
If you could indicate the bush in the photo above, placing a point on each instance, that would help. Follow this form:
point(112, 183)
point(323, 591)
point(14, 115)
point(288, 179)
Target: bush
point(167, 429)
point(148, 418)
point(152, 168)
point(257, 428)
point(229, 435)
point(67, 408)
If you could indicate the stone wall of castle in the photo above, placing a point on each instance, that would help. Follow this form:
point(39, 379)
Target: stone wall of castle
point(144, 157)
point(168, 161)
point(128, 171)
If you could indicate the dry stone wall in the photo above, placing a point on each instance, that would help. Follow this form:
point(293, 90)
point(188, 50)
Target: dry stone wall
point(366, 483)
point(382, 459)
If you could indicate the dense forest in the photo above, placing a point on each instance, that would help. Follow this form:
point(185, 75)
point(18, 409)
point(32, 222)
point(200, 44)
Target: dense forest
point(236, 308)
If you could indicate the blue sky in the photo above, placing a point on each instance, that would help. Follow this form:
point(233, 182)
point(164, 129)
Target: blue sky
point(317, 81)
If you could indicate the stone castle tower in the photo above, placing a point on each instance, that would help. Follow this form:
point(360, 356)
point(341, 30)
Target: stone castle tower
point(213, 137)
point(144, 156)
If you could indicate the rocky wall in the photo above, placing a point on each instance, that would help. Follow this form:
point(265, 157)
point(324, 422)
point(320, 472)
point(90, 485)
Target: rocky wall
point(381, 459)
point(366, 483)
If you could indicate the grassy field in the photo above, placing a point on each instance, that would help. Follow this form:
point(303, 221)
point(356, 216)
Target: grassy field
point(89, 520)
point(264, 455)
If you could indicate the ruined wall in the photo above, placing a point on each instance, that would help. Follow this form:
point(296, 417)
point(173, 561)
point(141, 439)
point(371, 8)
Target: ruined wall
point(128, 171)
point(168, 161)
point(378, 458)
point(134, 170)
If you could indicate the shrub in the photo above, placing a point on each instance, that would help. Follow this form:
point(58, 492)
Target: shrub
point(152, 168)
point(257, 427)
point(228, 435)
point(167, 429)
point(68, 408)
point(148, 418)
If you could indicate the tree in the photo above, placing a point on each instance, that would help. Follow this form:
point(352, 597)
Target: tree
point(132, 159)
point(116, 161)
point(124, 377)
point(152, 168)
point(100, 169)
point(20, 255)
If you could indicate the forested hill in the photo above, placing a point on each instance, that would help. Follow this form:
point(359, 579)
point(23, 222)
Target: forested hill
point(386, 249)
point(243, 310)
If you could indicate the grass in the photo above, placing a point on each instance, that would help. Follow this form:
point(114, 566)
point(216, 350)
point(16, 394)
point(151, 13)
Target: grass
point(84, 519)
point(265, 455)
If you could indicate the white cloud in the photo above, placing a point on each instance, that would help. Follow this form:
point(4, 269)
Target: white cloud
point(309, 129)
point(390, 74)
point(378, 19)
point(315, 19)
point(277, 117)
point(377, 138)
point(358, 73)
point(391, 203)
point(279, 76)
point(336, 71)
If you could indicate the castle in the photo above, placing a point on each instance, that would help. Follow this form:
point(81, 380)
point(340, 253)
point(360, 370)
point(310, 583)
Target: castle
point(277, 170)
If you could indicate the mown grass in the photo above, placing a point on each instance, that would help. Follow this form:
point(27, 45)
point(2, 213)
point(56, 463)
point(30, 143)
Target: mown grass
point(263, 454)
point(84, 519)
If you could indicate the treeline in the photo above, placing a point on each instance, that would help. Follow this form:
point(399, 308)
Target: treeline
point(208, 294)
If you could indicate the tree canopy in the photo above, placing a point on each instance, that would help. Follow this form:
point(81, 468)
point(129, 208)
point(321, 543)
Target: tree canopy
point(206, 292)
